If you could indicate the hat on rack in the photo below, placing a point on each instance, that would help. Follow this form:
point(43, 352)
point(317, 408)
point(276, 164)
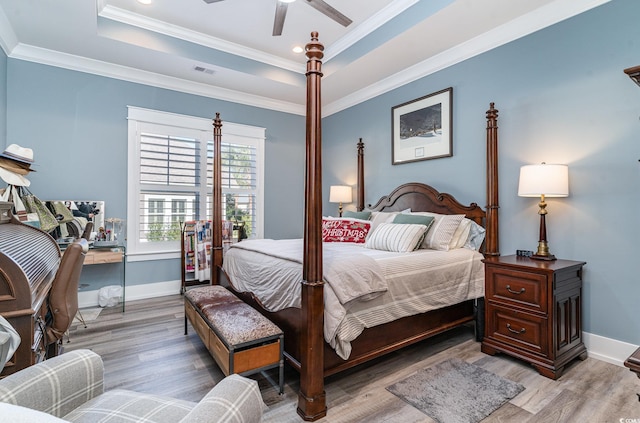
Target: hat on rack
point(13, 178)
point(17, 159)
point(15, 162)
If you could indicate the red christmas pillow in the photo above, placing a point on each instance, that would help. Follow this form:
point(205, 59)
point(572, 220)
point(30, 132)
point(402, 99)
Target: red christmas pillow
point(345, 230)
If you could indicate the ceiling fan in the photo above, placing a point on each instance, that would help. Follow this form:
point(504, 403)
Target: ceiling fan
point(319, 5)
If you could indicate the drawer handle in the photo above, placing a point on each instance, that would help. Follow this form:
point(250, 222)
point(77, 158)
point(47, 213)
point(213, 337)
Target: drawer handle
point(515, 292)
point(523, 330)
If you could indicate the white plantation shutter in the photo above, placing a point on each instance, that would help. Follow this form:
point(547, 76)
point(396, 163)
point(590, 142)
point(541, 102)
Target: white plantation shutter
point(171, 175)
point(167, 160)
point(239, 183)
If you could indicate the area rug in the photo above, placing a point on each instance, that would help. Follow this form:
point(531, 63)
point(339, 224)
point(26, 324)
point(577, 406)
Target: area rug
point(455, 391)
point(88, 314)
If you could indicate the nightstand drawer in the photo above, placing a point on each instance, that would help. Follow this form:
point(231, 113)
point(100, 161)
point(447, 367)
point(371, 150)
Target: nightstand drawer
point(518, 329)
point(524, 289)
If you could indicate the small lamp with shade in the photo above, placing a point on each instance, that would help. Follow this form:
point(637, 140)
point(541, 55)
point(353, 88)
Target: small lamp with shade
point(543, 180)
point(340, 194)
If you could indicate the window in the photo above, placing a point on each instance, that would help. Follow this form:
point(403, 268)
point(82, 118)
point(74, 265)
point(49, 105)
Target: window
point(170, 178)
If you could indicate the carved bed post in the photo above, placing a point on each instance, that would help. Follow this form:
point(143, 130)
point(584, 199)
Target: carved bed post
point(216, 201)
point(312, 398)
point(360, 192)
point(491, 243)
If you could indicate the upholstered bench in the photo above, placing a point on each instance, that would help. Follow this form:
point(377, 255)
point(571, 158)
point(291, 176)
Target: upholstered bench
point(239, 338)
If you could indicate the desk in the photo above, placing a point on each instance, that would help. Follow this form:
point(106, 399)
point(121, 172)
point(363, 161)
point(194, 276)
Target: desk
point(106, 255)
point(103, 255)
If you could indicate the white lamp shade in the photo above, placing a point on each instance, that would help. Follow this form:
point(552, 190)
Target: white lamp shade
point(340, 194)
point(550, 180)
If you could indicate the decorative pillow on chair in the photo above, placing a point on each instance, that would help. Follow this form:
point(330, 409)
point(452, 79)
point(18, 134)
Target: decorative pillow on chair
point(397, 237)
point(344, 230)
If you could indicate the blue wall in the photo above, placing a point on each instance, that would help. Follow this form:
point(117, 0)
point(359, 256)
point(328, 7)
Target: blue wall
point(563, 98)
point(3, 98)
point(76, 123)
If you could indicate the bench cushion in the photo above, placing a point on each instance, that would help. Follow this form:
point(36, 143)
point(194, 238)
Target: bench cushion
point(235, 322)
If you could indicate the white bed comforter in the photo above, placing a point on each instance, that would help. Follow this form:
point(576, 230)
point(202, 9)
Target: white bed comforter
point(364, 287)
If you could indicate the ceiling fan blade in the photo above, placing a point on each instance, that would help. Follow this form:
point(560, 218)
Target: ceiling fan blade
point(278, 21)
point(328, 10)
point(211, 1)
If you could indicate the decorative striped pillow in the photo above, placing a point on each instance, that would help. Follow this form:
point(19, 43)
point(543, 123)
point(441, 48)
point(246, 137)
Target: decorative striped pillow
point(441, 232)
point(397, 237)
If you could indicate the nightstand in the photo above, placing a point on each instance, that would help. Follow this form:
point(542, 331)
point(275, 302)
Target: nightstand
point(534, 311)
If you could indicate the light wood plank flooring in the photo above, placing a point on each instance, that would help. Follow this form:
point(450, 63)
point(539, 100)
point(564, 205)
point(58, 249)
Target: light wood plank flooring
point(145, 349)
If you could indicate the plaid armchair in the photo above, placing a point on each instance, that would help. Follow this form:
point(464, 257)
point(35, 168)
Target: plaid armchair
point(69, 388)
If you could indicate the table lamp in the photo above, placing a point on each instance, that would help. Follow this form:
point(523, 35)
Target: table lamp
point(543, 180)
point(340, 194)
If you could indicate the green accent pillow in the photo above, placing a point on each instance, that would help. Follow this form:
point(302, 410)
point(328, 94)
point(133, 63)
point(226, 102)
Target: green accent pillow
point(414, 219)
point(363, 215)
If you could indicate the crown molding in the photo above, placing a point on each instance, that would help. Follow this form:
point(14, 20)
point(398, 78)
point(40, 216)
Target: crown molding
point(8, 39)
point(540, 18)
point(124, 73)
point(174, 31)
point(367, 27)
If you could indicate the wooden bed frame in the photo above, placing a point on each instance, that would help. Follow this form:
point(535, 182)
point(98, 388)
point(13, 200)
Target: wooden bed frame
point(305, 348)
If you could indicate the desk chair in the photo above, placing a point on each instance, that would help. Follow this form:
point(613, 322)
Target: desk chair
point(63, 297)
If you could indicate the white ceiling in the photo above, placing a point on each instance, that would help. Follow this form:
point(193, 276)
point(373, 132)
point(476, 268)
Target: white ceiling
point(389, 43)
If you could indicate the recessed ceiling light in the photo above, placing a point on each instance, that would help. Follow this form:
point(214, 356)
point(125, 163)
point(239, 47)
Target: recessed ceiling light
point(298, 49)
point(144, 1)
point(287, 1)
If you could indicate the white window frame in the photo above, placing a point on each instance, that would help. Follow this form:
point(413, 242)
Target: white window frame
point(192, 127)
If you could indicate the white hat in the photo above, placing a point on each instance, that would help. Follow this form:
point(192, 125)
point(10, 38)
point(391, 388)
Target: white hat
point(20, 154)
point(13, 178)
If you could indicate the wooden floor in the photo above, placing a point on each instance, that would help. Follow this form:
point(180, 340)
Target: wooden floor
point(145, 349)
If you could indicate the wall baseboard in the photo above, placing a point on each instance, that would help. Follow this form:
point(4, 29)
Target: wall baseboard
point(607, 349)
point(598, 347)
point(134, 292)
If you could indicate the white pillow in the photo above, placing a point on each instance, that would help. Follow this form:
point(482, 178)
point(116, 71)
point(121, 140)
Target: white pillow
point(461, 234)
point(442, 230)
point(476, 237)
point(380, 217)
point(397, 237)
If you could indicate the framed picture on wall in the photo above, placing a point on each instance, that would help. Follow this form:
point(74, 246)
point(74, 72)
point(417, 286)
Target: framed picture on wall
point(422, 129)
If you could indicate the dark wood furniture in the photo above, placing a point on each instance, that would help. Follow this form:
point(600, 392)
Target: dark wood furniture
point(29, 259)
point(534, 311)
point(633, 363)
point(305, 348)
point(634, 74)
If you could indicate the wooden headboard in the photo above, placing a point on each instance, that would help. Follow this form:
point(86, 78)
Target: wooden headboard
point(421, 197)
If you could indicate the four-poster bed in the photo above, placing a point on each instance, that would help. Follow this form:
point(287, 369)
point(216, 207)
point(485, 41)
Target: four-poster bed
point(305, 346)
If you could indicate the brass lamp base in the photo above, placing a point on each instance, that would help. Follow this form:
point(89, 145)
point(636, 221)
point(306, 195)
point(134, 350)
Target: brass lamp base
point(543, 252)
point(548, 257)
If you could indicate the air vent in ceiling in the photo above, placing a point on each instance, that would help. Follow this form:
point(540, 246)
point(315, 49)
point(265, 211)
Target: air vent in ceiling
point(203, 70)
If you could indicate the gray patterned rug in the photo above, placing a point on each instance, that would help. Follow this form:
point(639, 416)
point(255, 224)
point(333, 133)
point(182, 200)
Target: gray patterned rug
point(455, 391)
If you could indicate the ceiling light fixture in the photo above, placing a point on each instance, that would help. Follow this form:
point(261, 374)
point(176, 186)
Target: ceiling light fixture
point(297, 49)
point(287, 1)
